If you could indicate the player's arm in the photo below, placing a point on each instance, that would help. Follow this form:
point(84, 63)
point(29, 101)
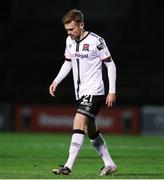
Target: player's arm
point(105, 56)
point(65, 69)
point(111, 71)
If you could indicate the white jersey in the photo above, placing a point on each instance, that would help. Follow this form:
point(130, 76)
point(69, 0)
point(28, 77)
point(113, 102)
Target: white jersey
point(86, 56)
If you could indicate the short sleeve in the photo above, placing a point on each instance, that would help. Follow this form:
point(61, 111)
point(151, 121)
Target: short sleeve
point(102, 49)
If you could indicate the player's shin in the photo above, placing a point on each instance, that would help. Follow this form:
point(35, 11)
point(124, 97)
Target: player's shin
point(76, 142)
point(99, 144)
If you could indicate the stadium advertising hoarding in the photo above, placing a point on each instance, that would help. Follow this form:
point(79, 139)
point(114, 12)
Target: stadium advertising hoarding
point(60, 119)
point(5, 117)
point(152, 120)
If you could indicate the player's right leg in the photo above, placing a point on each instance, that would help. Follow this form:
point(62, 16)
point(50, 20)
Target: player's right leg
point(79, 125)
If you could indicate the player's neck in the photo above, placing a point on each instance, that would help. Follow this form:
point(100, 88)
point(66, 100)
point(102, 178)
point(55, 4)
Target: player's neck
point(83, 34)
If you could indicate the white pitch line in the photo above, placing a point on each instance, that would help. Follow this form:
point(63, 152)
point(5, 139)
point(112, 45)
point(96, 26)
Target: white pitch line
point(61, 145)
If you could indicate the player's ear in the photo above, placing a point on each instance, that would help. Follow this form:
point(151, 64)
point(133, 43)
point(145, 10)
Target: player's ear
point(81, 25)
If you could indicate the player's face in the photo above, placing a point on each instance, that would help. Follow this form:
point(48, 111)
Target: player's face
point(74, 29)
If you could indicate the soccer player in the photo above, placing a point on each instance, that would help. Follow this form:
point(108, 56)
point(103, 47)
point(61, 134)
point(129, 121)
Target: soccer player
point(84, 53)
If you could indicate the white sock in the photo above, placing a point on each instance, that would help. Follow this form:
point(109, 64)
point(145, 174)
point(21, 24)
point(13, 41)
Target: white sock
point(100, 146)
point(76, 142)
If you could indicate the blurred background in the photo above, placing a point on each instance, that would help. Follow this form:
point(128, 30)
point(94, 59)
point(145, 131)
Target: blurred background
point(32, 43)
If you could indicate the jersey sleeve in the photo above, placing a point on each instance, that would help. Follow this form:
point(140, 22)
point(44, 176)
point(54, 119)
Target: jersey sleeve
point(67, 53)
point(102, 49)
point(65, 69)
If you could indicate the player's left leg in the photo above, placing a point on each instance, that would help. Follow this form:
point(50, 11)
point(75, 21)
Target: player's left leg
point(97, 139)
point(99, 144)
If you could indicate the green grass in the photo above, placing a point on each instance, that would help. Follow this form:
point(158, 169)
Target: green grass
point(33, 156)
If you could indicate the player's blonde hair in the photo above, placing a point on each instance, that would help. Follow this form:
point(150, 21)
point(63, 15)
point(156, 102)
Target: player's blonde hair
point(73, 15)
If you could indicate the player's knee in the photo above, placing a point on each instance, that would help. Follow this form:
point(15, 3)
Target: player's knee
point(93, 134)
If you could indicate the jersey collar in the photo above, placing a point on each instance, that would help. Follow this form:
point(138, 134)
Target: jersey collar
point(78, 41)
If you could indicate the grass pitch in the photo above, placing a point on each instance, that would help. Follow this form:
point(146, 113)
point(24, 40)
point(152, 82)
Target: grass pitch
point(33, 156)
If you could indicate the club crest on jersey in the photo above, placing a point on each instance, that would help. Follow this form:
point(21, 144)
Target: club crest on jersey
point(85, 47)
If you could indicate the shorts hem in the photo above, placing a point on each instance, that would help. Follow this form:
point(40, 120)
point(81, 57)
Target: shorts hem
point(81, 111)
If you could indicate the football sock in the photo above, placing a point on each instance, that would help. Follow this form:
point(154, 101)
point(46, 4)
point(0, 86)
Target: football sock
point(99, 143)
point(76, 142)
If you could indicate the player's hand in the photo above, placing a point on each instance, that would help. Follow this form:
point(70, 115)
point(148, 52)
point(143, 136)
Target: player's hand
point(110, 100)
point(52, 88)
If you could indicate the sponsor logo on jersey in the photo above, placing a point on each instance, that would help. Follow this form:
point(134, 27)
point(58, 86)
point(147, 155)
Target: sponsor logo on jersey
point(101, 45)
point(81, 56)
point(85, 47)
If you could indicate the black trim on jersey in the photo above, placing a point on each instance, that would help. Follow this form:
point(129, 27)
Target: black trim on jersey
point(78, 77)
point(77, 46)
point(67, 59)
point(78, 69)
point(108, 59)
point(78, 41)
point(84, 37)
point(78, 63)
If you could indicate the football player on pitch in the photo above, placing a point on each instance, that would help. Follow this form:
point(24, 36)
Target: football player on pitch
point(84, 54)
